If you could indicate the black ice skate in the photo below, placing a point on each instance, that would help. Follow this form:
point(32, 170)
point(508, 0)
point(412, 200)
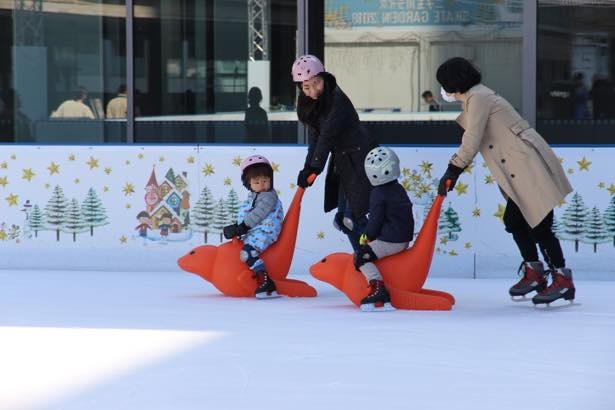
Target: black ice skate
point(266, 287)
point(378, 299)
point(561, 287)
point(533, 280)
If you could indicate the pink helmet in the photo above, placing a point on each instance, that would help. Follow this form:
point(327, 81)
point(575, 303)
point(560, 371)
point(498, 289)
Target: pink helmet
point(306, 67)
point(251, 161)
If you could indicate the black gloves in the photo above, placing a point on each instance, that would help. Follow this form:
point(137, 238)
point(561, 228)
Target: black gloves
point(452, 173)
point(234, 230)
point(302, 178)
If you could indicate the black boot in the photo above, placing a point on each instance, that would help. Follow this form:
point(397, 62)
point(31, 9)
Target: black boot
point(266, 287)
point(378, 298)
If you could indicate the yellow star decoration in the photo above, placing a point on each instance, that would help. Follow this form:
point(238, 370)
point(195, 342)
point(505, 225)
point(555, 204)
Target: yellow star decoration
point(601, 185)
point(443, 240)
point(108, 170)
point(275, 167)
point(53, 168)
point(93, 163)
point(76, 180)
point(28, 174)
point(500, 212)
point(3, 235)
point(227, 181)
point(584, 164)
point(47, 185)
point(140, 156)
point(123, 239)
point(461, 188)
point(320, 235)
point(452, 252)
point(611, 189)
point(570, 171)
point(72, 157)
point(292, 185)
point(237, 160)
point(105, 188)
point(4, 181)
point(128, 189)
point(406, 184)
point(190, 160)
point(208, 170)
point(4, 165)
point(128, 206)
point(405, 172)
point(469, 169)
point(426, 167)
point(561, 160)
point(467, 245)
point(161, 159)
point(12, 199)
point(489, 179)
point(13, 157)
point(561, 203)
point(476, 212)
point(127, 162)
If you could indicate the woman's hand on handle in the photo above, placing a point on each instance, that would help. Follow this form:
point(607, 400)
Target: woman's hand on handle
point(307, 176)
point(449, 179)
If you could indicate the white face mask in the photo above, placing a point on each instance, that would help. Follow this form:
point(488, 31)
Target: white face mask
point(446, 97)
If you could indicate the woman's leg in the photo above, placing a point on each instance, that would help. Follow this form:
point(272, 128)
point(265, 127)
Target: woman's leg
point(549, 244)
point(516, 224)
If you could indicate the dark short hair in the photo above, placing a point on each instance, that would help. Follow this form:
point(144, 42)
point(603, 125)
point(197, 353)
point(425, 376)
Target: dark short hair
point(256, 170)
point(143, 214)
point(457, 75)
point(122, 89)
point(426, 94)
point(80, 93)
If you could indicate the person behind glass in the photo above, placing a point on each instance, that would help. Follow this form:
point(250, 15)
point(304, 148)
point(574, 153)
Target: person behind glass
point(390, 225)
point(429, 100)
point(528, 173)
point(580, 96)
point(255, 121)
point(259, 221)
point(75, 108)
point(118, 106)
point(334, 128)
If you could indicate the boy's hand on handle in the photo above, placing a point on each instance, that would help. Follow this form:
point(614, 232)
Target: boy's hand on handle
point(304, 180)
point(449, 179)
point(234, 230)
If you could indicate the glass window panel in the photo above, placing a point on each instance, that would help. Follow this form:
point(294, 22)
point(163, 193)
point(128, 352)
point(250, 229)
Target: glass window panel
point(61, 63)
point(385, 53)
point(576, 60)
point(194, 68)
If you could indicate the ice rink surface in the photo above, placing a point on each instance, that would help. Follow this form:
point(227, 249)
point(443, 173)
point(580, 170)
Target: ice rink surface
point(133, 340)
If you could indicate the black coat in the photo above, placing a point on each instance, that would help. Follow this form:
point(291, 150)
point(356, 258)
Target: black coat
point(390, 214)
point(339, 132)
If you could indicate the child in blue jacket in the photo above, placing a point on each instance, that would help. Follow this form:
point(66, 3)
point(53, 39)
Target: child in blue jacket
point(259, 220)
point(390, 226)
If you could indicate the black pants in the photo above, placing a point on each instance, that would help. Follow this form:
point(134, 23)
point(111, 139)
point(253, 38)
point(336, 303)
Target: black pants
point(527, 237)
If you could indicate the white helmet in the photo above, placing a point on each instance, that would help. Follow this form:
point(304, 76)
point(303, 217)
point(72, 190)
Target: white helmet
point(381, 166)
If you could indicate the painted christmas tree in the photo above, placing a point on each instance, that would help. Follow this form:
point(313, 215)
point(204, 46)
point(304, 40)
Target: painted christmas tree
point(232, 206)
point(449, 224)
point(431, 198)
point(94, 214)
point(202, 214)
point(220, 218)
point(36, 220)
point(595, 231)
point(573, 221)
point(609, 219)
point(54, 211)
point(556, 227)
point(74, 219)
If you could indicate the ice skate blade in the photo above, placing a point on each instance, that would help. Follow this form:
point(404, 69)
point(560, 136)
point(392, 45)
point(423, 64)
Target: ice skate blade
point(555, 305)
point(370, 307)
point(264, 295)
point(520, 299)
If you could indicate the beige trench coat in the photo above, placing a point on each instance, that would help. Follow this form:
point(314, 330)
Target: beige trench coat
point(520, 160)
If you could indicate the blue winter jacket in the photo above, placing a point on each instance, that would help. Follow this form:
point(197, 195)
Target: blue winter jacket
point(390, 214)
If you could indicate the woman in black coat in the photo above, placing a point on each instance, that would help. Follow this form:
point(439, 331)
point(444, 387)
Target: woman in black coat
point(334, 128)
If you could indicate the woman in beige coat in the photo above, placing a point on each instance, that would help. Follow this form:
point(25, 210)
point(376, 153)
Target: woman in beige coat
point(527, 171)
